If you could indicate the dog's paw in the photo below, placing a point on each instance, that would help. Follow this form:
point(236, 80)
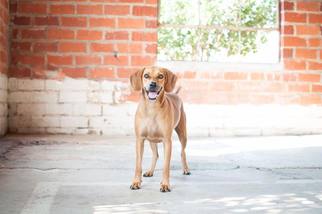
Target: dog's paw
point(186, 172)
point(135, 186)
point(165, 188)
point(148, 174)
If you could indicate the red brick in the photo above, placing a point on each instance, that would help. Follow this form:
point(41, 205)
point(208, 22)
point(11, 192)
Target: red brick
point(102, 22)
point(21, 20)
point(151, 48)
point(21, 46)
point(309, 77)
point(288, 29)
point(75, 72)
point(33, 34)
point(261, 99)
point(308, 6)
point(235, 76)
point(131, 1)
point(310, 99)
point(31, 8)
point(308, 30)
point(101, 47)
point(33, 60)
point(298, 87)
point(144, 36)
point(189, 75)
point(99, 73)
point(120, 60)
point(131, 23)
point(13, 7)
point(72, 47)
point(125, 72)
point(134, 96)
point(315, 66)
point(117, 35)
point(294, 64)
point(287, 53)
point(315, 18)
point(293, 41)
point(60, 60)
point(129, 48)
point(286, 5)
point(317, 88)
point(273, 87)
point(74, 21)
point(221, 86)
point(117, 9)
point(89, 35)
point(62, 9)
point(49, 20)
point(273, 76)
point(155, 2)
point(45, 47)
point(295, 17)
point(88, 60)
point(289, 77)
point(90, 9)
point(257, 76)
point(144, 11)
point(60, 34)
point(142, 60)
point(151, 23)
point(315, 42)
point(306, 53)
point(15, 33)
point(19, 72)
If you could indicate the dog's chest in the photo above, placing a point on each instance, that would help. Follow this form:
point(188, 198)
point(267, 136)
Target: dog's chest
point(151, 128)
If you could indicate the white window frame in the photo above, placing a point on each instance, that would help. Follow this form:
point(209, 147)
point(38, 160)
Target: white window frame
point(222, 66)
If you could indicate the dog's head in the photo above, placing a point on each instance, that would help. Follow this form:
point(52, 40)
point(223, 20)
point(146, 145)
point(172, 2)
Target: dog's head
point(153, 81)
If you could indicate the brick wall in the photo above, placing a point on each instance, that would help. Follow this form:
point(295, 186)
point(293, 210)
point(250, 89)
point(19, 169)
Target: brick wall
point(81, 39)
point(4, 21)
point(87, 49)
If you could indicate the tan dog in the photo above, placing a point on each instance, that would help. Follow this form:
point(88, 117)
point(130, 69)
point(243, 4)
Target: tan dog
point(158, 114)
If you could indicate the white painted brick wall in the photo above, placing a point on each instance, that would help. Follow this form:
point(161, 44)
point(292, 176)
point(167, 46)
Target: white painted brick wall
point(73, 97)
point(95, 107)
point(3, 104)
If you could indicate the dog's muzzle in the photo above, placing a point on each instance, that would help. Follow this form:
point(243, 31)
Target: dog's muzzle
point(153, 91)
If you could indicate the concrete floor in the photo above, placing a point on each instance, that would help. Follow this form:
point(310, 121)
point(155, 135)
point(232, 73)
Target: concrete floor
point(77, 174)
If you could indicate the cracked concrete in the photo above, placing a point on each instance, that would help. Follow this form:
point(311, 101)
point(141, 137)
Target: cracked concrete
point(92, 174)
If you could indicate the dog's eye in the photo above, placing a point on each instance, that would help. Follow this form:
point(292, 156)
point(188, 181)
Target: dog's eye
point(146, 76)
point(160, 76)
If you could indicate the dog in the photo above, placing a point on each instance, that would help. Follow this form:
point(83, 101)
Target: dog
point(159, 112)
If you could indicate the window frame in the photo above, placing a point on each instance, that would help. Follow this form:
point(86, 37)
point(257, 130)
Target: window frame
point(219, 64)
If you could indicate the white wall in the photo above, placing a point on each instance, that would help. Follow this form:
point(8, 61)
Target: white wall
point(3, 104)
point(95, 107)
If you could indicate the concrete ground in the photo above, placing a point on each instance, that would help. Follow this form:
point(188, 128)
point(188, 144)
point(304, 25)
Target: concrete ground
point(87, 174)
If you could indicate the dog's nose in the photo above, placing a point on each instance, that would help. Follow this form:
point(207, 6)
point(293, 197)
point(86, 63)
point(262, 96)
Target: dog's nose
point(153, 85)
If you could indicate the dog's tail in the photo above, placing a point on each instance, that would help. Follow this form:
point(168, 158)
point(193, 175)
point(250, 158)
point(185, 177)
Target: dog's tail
point(178, 90)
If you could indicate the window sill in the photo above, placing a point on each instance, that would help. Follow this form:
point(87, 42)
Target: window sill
point(181, 66)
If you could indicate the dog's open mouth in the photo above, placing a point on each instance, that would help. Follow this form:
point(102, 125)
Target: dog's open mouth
point(152, 95)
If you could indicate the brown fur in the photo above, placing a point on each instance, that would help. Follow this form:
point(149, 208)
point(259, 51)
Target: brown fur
point(155, 122)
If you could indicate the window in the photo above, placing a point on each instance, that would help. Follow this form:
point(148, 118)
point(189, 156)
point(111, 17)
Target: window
point(219, 31)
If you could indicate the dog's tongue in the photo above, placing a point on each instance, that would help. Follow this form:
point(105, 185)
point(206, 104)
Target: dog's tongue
point(152, 95)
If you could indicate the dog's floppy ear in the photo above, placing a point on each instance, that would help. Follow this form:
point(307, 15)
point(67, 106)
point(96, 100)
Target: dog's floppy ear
point(170, 81)
point(136, 80)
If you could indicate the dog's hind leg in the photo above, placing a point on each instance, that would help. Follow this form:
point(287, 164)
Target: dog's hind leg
point(181, 130)
point(155, 156)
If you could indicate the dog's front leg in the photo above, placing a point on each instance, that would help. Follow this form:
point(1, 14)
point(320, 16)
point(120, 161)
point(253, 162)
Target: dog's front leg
point(136, 184)
point(165, 184)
